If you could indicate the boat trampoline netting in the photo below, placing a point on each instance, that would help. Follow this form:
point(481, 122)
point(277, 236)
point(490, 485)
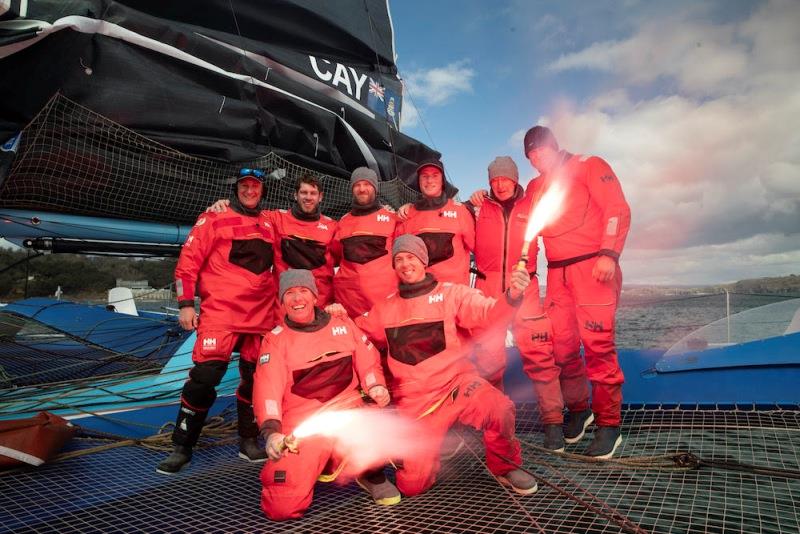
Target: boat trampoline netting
point(73, 160)
point(38, 354)
point(747, 482)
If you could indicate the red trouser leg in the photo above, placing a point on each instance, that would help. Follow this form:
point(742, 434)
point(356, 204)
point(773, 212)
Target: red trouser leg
point(489, 353)
point(288, 484)
point(533, 334)
point(479, 405)
point(595, 312)
point(418, 471)
point(559, 305)
point(483, 407)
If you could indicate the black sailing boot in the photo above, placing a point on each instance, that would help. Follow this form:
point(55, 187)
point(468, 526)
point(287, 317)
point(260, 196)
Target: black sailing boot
point(188, 426)
point(249, 448)
point(180, 458)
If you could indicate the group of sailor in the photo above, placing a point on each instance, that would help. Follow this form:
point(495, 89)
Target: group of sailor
point(398, 323)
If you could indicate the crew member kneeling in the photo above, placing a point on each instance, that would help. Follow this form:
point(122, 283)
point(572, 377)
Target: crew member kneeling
point(434, 381)
point(313, 362)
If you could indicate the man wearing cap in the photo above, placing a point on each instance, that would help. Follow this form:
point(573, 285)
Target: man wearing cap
point(500, 227)
point(229, 257)
point(583, 246)
point(445, 225)
point(363, 243)
point(434, 381)
point(311, 362)
point(303, 235)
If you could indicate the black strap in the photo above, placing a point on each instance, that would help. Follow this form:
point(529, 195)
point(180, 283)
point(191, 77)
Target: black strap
point(570, 261)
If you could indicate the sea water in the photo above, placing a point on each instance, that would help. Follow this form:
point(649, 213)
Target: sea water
point(660, 322)
point(646, 322)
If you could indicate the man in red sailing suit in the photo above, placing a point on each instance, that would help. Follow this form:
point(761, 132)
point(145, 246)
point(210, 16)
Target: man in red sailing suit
point(434, 381)
point(445, 225)
point(311, 362)
point(229, 257)
point(363, 244)
point(583, 284)
point(501, 221)
point(303, 236)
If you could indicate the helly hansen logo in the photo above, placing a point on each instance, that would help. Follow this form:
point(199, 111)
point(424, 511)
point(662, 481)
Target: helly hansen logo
point(470, 389)
point(607, 178)
point(210, 343)
point(322, 226)
point(339, 330)
point(594, 326)
point(540, 336)
point(450, 214)
point(383, 218)
point(438, 297)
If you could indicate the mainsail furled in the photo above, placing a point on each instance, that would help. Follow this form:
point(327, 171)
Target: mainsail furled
point(313, 82)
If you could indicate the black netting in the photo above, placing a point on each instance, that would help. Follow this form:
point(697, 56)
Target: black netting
point(72, 160)
point(118, 490)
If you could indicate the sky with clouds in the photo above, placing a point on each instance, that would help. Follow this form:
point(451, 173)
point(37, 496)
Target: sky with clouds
point(695, 105)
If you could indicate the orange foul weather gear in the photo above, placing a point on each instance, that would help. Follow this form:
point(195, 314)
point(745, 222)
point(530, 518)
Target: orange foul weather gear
point(495, 259)
point(434, 381)
point(301, 370)
point(303, 241)
point(229, 257)
point(594, 221)
point(363, 244)
point(448, 230)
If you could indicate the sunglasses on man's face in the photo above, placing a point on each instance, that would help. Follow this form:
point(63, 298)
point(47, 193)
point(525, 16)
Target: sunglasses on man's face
point(251, 172)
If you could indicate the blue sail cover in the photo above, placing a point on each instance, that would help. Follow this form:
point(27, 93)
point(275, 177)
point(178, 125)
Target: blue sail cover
point(98, 342)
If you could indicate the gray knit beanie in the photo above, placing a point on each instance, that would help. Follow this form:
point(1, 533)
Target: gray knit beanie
point(364, 173)
point(411, 244)
point(503, 167)
point(296, 278)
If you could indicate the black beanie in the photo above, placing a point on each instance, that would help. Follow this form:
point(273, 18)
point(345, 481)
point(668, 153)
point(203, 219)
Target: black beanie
point(539, 136)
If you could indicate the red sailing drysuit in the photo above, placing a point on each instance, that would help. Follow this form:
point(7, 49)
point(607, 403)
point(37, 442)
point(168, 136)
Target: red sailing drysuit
point(363, 244)
point(448, 230)
point(595, 220)
point(229, 257)
point(304, 242)
point(434, 381)
point(302, 369)
point(495, 258)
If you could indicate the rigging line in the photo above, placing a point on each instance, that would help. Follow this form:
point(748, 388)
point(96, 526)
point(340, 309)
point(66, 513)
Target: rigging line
point(613, 515)
point(245, 63)
point(419, 111)
point(603, 509)
point(773, 295)
point(508, 491)
point(379, 71)
point(23, 260)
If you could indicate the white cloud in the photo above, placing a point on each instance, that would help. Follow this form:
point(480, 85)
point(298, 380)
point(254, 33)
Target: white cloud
point(409, 117)
point(437, 86)
point(713, 166)
point(757, 256)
